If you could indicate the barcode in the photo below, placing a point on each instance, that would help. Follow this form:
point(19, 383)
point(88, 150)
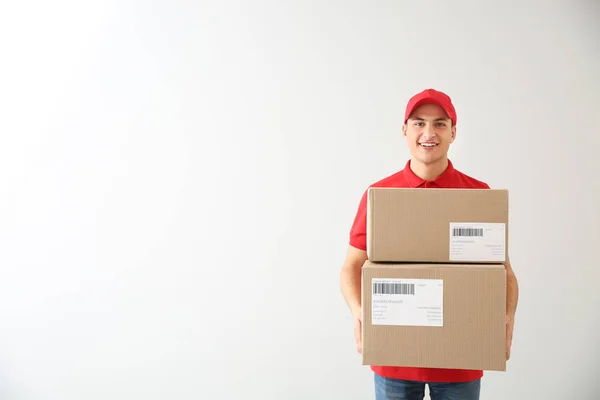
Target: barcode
point(467, 232)
point(393, 288)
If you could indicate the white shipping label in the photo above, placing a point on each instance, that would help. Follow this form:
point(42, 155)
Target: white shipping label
point(408, 302)
point(477, 241)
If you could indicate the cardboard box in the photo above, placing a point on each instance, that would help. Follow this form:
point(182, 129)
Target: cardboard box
point(434, 315)
point(437, 225)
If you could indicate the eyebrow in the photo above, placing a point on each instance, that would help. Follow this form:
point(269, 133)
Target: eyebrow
point(423, 119)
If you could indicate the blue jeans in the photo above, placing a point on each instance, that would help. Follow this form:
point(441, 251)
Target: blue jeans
point(396, 389)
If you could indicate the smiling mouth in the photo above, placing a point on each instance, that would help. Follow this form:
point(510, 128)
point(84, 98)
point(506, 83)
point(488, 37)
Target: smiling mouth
point(428, 145)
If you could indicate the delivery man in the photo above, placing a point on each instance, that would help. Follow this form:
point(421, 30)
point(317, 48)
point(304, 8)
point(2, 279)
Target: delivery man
point(429, 128)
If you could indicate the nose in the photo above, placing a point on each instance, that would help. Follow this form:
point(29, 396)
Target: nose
point(428, 131)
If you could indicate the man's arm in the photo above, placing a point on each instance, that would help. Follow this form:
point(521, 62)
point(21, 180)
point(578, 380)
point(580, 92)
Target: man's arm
point(512, 298)
point(350, 283)
point(350, 279)
point(512, 290)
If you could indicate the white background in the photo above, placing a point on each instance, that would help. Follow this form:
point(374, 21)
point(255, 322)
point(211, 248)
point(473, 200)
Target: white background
point(179, 178)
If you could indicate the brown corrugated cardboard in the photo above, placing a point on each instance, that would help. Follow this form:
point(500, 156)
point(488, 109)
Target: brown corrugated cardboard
point(434, 315)
point(437, 225)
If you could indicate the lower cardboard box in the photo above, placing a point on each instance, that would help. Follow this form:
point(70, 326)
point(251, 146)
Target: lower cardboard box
point(434, 315)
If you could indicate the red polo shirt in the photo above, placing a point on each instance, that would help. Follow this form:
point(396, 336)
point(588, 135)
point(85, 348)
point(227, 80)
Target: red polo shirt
point(450, 178)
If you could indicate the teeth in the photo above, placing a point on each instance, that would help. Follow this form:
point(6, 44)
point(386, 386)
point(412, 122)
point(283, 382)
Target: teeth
point(428, 144)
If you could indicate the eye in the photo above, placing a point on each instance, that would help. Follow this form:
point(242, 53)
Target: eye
point(441, 124)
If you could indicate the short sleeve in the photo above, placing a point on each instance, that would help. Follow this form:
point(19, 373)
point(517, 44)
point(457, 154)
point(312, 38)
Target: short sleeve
point(358, 232)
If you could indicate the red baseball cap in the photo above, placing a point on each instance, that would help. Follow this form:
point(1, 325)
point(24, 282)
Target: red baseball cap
point(431, 96)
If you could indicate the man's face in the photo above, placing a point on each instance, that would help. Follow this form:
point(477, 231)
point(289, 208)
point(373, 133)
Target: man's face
point(429, 133)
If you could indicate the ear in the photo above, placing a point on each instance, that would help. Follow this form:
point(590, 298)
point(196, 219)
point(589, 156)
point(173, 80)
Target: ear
point(404, 130)
point(453, 134)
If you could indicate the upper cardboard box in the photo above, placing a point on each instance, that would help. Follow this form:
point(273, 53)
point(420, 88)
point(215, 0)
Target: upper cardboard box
point(437, 225)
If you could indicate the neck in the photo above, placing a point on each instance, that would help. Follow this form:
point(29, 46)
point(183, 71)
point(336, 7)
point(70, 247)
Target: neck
point(428, 172)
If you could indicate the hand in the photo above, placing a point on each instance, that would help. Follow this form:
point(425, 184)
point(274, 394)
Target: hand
point(510, 323)
point(358, 330)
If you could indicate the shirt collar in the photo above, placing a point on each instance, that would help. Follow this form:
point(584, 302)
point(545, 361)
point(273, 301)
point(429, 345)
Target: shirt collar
point(445, 180)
